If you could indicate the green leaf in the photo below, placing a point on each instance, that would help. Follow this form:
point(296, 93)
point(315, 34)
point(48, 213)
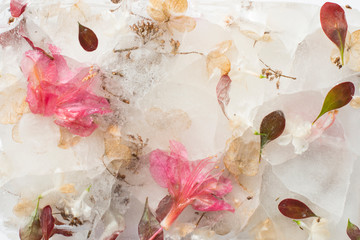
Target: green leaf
point(148, 225)
point(32, 230)
point(353, 231)
point(337, 97)
point(295, 209)
point(272, 126)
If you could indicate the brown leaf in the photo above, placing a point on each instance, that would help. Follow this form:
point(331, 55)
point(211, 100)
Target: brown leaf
point(242, 157)
point(182, 23)
point(87, 38)
point(67, 139)
point(164, 207)
point(177, 6)
point(157, 14)
point(148, 225)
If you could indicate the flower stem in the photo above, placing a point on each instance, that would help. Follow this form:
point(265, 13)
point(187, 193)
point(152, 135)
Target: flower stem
point(156, 233)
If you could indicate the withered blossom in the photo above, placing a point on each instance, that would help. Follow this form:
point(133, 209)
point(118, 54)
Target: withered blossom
point(54, 89)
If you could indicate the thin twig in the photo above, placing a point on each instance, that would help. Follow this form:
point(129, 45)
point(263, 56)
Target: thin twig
point(198, 222)
point(125, 49)
point(192, 52)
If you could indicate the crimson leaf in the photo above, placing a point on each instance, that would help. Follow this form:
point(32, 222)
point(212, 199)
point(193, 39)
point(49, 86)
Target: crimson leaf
point(295, 209)
point(113, 236)
point(87, 38)
point(148, 225)
point(334, 25)
point(164, 207)
point(353, 231)
point(47, 222)
point(337, 97)
point(271, 127)
point(222, 92)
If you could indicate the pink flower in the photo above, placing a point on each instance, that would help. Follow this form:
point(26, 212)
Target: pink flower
point(188, 182)
point(53, 89)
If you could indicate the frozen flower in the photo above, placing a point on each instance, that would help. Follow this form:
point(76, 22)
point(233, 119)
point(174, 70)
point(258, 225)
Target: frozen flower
point(301, 133)
point(318, 230)
point(188, 182)
point(53, 89)
point(17, 7)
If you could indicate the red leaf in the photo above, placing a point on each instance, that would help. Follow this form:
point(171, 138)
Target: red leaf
point(87, 38)
point(295, 209)
point(164, 207)
point(113, 236)
point(63, 232)
point(17, 7)
point(222, 92)
point(353, 231)
point(149, 227)
point(271, 127)
point(47, 222)
point(334, 25)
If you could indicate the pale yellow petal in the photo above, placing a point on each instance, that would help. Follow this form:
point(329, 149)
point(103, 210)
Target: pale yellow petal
point(157, 4)
point(242, 157)
point(12, 104)
point(222, 62)
point(15, 133)
point(67, 188)
point(115, 149)
point(220, 49)
point(24, 207)
point(67, 139)
point(354, 51)
point(177, 6)
point(182, 23)
point(265, 231)
point(156, 14)
point(355, 102)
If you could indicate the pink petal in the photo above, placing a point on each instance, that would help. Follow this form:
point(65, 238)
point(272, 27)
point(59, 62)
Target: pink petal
point(17, 7)
point(208, 202)
point(159, 161)
point(219, 188)
point(178, 150)
point(222, 92)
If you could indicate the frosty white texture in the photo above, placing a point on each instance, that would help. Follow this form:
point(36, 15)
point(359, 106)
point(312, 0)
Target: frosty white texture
point(172, 97)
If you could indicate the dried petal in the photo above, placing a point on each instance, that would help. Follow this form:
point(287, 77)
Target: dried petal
point(337, 97)
point(222, 92)
point(355, 102)
point(67, 188)
point(353, 231)
point(334, 25)
point(15, 133)
point(17, 7)
point(182, 23)
point(295, 209)
point(242, 157)
point(67, 139)
point(158, 4)
point(354, 51)
point(177, 6)
point(156, 14)
point(220, 49)
point(265, 231)
point(148, 225)
point(175, 120)
point(12, 104)
point(24, 207)
point(222, 62)
point(87, 38)
point(272, 126)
